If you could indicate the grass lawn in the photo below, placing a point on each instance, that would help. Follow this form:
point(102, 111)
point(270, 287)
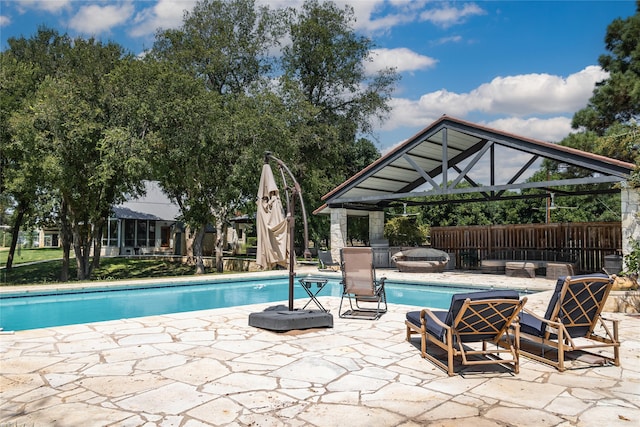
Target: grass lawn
point(47, 271)
point(110, 269)
point(30, 255)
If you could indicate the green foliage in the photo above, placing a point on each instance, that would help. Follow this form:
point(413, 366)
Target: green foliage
point(632, 259)
point(405, 231)
point(225, 43)
point(358, 229)
point(332, 100)
point(615, 104)
point(66, 141)
point(616, 99)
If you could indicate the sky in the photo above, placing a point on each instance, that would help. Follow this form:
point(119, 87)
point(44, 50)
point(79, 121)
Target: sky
point(520, 66)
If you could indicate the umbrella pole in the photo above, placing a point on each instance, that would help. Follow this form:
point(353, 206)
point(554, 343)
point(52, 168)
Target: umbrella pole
point(296, 189)
point(292, 274)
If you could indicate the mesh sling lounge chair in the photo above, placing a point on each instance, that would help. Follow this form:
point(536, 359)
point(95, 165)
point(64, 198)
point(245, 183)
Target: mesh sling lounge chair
point(366, 295)
point(476, 317)
point(569, 324)
point(327, 262)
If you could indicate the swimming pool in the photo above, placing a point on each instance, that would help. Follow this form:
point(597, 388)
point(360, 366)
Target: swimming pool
point(21, 311)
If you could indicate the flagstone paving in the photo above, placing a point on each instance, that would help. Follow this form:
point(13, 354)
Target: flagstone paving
point(209, 368)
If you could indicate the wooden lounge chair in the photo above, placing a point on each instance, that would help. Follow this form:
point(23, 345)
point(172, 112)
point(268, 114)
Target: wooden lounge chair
point(326, 261)
point(360, 286)
point(477, 317)
point(570, 323)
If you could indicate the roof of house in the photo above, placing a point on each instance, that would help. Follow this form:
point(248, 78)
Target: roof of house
point(153, 205)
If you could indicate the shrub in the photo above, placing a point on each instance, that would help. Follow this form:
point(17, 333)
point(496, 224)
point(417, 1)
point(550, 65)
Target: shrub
point(632, 260)
point(404, 231)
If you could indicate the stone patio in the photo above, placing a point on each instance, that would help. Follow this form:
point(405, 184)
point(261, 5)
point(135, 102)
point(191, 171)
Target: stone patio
point(209, 367)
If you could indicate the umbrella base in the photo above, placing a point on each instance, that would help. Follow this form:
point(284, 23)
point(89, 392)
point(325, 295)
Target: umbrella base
point(280, 319)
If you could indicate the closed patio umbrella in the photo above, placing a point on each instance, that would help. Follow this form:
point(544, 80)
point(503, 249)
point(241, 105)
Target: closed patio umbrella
point(271, 223)
point(275, 247)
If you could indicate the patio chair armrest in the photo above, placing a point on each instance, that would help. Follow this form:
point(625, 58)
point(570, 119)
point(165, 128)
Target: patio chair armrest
point(426, 311)
point(549, 323)
point(537, 316)
point(615, 323)
point(609, 319)
point(379, 284)
point(521, 303)
point(542, 319)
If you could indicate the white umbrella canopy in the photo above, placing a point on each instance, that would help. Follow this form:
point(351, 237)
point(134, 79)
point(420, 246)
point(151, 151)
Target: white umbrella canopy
point(273, 235)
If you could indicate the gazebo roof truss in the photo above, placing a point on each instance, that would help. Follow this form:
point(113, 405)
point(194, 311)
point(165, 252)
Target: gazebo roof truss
point(451, 151)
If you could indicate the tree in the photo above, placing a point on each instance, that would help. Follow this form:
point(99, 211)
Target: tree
point(227, 122)
point(23, 67)
point(617, 98)
point(89, 157)
point(225, 43)
point(337, 101)
point(18, 168)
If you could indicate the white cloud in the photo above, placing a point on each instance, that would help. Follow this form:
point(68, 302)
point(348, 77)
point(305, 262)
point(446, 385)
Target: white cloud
point(95, 19)
point(52, 6)
point(537, 93)
point(164, 14)
point(539, 106)
point(446, 40)
point(551, 129)
point(447, 16)
point(402, 59)
point(368, 20)
point(525, 95)
point(4, 20)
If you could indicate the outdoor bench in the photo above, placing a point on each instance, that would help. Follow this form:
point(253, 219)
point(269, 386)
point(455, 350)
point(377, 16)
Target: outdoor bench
point(548, 263)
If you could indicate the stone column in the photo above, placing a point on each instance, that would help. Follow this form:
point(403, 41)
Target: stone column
point(338, 232)
point(376, 225)
point(630, 218)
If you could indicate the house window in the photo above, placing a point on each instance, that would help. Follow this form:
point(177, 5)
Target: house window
point(130, 232)
point(141, 233)
point(152, 233)
point(165, 236)
point(110, 234)
point(113, 232)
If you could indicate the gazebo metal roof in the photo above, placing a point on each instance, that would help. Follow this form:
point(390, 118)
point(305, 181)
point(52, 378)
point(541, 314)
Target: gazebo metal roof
point(451, 151)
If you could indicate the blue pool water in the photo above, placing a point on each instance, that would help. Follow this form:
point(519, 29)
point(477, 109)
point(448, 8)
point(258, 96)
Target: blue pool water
point(40, 310)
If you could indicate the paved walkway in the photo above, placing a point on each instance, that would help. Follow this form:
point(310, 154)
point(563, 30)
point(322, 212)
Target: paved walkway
point(210, 368)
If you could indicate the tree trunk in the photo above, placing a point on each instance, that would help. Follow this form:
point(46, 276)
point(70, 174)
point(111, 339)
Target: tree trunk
point(97, 245)
point(77, 249)
point(197, 250)
point(81, 247)
point(15, 233)
point(220, 240)
point(189, 238)
point(66, 238)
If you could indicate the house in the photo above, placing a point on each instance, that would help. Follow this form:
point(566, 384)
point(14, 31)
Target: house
point(144, 225)
point(148, 225)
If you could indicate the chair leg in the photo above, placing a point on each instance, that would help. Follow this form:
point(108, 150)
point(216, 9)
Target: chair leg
point(616, 348)
point(516, 348)
point(450, 369)
point(560, 350)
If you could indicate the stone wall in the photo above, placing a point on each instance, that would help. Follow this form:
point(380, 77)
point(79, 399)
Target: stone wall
point(630, 219)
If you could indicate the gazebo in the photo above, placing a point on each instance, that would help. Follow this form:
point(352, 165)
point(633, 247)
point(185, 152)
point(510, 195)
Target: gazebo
point(451, 151)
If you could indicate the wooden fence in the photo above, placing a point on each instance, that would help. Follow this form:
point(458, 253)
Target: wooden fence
point(585, 243)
